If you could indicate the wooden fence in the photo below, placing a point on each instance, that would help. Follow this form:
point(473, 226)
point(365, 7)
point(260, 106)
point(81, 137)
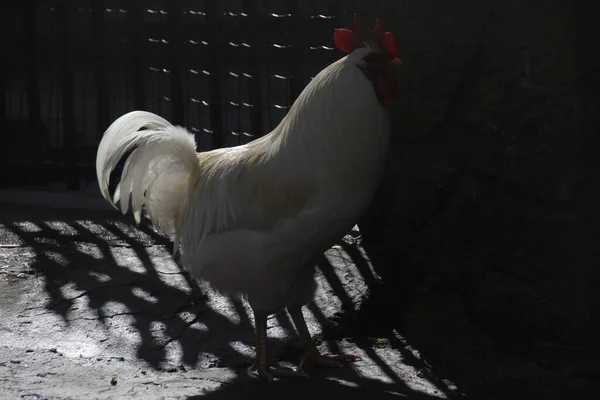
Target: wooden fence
point(227, 70)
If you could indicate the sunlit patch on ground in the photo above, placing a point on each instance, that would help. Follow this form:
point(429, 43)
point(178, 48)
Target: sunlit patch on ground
point(98, 294)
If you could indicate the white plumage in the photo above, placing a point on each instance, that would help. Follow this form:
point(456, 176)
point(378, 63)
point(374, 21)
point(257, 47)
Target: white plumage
point(251, 219)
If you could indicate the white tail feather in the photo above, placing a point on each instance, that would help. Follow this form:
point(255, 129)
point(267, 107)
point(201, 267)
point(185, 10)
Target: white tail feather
point(156, 172)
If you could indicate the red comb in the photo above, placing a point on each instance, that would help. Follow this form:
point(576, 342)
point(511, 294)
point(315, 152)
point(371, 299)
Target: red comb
point(378, 27)
point(347, 40)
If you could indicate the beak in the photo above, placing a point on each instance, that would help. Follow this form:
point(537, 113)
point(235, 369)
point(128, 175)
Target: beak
point(396, 61)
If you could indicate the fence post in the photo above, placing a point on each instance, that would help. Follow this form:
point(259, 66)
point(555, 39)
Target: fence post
point(34, 108)
point(255, 84)
point(214, 44)
point(68, 103)
point(175, 45)
point(134, 13)
point(102, 102)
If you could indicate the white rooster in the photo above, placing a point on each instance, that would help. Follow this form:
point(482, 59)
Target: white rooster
point(251, 220)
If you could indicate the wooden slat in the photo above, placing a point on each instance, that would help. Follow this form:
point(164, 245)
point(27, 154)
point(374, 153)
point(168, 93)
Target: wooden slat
point(295, 52)
point(175, 51)
point(102, 98)
point(67, 93)
point(136, 40)
point(216, 100)
point(255, 87)
point(34, 108)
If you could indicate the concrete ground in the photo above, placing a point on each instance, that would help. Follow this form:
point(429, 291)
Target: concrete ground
point(95, 308)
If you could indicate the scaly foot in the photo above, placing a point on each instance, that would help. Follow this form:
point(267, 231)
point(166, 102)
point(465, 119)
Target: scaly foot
point(261, 366)
point(311, 354)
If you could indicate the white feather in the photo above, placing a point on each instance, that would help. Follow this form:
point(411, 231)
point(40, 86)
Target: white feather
point(110, 150)
point(252, 218)
point(163, 155)
point(332, 145)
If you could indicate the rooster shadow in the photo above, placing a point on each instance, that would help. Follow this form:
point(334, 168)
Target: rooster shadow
point(201, 332)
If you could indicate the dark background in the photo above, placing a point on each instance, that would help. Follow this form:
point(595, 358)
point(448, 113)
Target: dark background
point(485, 229)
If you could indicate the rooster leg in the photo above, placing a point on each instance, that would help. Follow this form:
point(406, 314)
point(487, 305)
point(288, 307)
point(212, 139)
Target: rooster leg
point(261, 365)
point(311, 353)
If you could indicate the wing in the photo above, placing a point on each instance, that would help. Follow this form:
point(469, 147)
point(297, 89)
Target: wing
point(236, 189)
point(238, 198)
